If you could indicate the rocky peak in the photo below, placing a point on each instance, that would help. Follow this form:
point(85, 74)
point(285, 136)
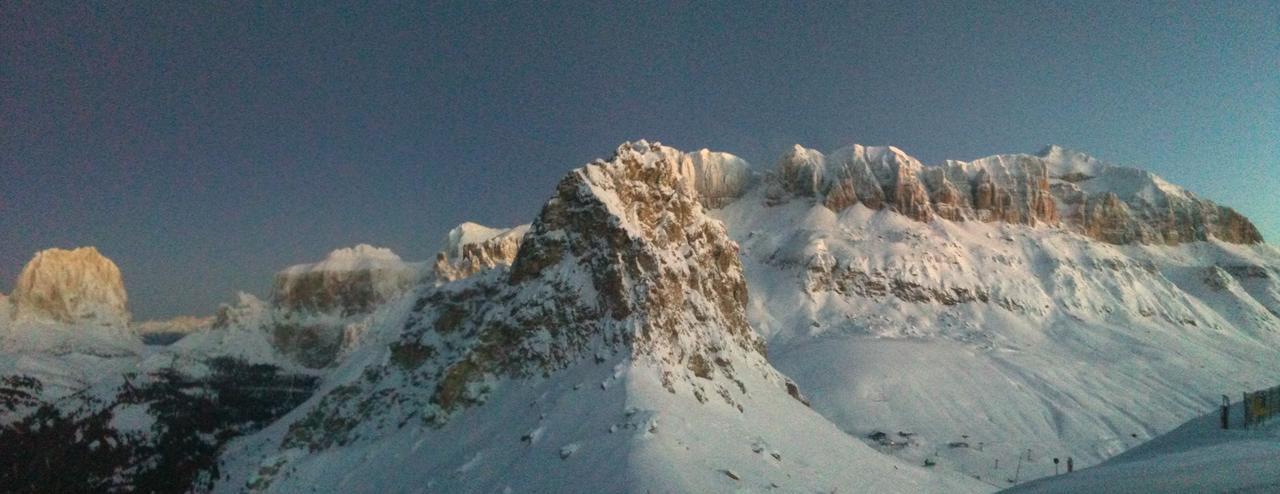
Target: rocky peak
point(718, 177)
point(71, 287)
point(650, 254)
point(621, 264)
point(471, 248)
point(349, 281)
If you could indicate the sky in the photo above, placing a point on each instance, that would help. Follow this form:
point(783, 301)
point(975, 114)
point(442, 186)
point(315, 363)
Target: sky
point(205, 146)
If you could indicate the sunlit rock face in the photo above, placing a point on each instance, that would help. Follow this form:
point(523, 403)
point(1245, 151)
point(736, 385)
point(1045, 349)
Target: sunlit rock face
point(1056, 187)
point(621, 259)
point(471, 248)
point(320, 309)
point(71, 287)
point(349, 281)
point(1122, 205)
point(718, 178)
point(68, 301)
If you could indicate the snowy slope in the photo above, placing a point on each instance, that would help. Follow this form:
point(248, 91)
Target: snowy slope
point(1196, 457)
point(1006, 337)
point(613, 356)
point(953, 328)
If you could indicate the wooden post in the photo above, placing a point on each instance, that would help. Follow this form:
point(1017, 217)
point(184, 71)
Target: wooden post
point(1226, 407)
point(1245, 403)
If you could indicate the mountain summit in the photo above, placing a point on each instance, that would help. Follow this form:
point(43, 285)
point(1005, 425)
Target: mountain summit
point(69, 301)
point(72, 287)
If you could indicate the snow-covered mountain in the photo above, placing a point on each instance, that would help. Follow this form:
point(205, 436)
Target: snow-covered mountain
point(1004, 326)
point(1056, 186)
point(975, 318)
point(68, 301)
point(614, 355)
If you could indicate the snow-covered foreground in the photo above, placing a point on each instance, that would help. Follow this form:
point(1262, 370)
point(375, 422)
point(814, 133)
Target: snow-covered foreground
point(601, 428)
point(1197, 457)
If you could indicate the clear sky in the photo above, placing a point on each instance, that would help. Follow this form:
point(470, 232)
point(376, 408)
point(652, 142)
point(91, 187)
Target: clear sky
point(204, 147)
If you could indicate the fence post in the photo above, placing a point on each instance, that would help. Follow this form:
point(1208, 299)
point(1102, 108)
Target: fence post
point(1226, 407)
point(1245, 405)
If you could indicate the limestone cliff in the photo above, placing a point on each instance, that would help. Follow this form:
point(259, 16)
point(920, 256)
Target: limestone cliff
point(471, 248)
point(71, 287)
point(1056, 187)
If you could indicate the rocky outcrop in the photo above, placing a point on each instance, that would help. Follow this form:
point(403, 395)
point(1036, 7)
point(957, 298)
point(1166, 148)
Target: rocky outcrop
point(78, 286)
point(1055, 187)
point(319, 310)
point(349, 281)
point(622, 258)
point(718, 178)
point(471, 248)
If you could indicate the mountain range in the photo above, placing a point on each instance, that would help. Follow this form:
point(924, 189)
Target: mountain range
point(673, 322)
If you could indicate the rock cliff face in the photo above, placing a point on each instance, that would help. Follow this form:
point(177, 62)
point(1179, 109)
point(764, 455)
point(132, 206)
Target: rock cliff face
point(71, 287)
point(1123, 205)
point(878, 177)
point(349, 281)
point(718, 178)
point(319, 310)
point(471, 248)
point(663, 276)
point(1055, 187)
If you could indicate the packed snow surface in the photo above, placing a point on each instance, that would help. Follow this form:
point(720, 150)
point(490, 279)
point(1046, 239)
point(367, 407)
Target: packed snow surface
point(1199, 456)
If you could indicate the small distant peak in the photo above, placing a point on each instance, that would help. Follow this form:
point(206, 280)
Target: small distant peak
point(646, 153)
point(1066, 162)
point(357, 258)
point(1050, 150)
point(78, 253)
point(469, 233)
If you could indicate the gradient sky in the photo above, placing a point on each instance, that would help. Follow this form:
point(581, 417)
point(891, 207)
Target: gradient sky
point(204, 147)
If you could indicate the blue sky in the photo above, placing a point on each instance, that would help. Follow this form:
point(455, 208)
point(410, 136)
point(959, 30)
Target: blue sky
point(205, 146)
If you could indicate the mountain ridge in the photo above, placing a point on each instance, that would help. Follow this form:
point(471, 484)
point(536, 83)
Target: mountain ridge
point(619, 340)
